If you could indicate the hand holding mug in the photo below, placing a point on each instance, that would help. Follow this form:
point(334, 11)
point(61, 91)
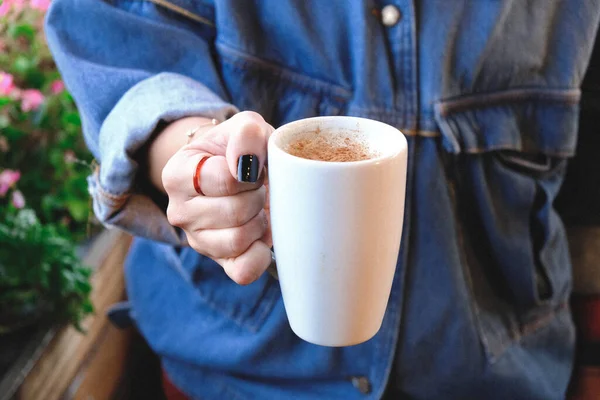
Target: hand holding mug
point(227, 220)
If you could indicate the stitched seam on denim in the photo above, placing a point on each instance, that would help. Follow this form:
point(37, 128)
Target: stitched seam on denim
point(377, 110)
point(418, 132)
point(400, 115)
point(114, 200)
point(542, 321)
point(476, 101)
point(413, 69)
point(445, 126)
point(526, 164)
point(398, 118)
point(182, 11)
point(366, 111)
point(241, 59)
point(406, 106)
point(549, 152)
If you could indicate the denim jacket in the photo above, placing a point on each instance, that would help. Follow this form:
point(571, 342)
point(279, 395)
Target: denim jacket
point(487, 93)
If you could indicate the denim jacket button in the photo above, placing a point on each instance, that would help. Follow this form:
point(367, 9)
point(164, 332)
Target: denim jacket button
point(362, 384)
point(390, 15)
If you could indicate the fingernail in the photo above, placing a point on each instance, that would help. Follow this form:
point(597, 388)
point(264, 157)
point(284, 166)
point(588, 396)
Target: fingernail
point(247, 168)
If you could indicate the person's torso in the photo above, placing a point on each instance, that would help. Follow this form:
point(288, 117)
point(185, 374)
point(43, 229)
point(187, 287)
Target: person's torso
point(486, 93)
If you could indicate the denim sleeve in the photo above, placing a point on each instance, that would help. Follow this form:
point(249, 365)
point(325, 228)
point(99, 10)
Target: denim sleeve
point(130, 67)
point(579, 200)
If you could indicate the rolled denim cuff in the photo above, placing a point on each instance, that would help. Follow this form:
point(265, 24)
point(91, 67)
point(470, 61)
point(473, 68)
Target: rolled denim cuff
point(164, 97)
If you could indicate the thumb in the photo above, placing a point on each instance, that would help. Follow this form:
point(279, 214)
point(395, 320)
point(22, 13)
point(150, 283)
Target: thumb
point(247, 146)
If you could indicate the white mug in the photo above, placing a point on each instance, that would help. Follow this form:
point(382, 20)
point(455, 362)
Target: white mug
point(336, 229)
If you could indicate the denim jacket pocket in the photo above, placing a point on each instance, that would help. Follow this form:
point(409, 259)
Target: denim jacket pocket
point(247, 306)
point(507, 154)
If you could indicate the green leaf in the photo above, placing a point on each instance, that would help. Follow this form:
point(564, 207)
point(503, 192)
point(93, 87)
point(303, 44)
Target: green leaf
point(5, 100)
point(88, 307)
point(56, 157)
point(83, 286)
point(67, 98)
point(38, 259)
point(34, 77)
point(22, 65)
point(48, 204)
point(78, 209)
point(12, 133)
point(21, 30)
point(71, 118)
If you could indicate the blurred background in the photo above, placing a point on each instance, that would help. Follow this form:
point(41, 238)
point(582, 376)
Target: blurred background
point(60, 271)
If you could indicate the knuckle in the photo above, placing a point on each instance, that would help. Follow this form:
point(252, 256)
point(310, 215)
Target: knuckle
point(264, 221)
point(169, 178)
point(251, 130)
point(259, 224)
point(262, 193)
point(234, 213)
point(252, 116)
point(230, 187)
point(175, 216)
point(194, 243)
point(258, 199)
point(227, 213)
point(238, 242)
point(226, 185)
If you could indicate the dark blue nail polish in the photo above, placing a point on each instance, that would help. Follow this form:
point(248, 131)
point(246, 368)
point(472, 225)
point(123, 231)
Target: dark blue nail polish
point(247, 168)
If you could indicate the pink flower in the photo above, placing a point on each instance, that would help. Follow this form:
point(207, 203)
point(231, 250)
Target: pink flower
point(17, 199)
point(18, 4)
point(41, 5)
point(57, 86)
point(5, 7)
point(31, 99)
point(8, 178)
point(6, 83)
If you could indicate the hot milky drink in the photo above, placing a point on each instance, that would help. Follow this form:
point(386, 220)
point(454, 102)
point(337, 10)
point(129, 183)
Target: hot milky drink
point(336, 147)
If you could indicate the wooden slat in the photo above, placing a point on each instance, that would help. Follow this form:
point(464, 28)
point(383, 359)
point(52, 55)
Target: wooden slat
point(35, 342)
point(64, 356)
point(105, 368)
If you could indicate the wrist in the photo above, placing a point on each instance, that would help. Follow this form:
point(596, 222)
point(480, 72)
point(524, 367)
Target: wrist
point(168, 141)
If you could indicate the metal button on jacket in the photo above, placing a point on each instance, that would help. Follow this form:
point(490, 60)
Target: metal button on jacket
point(390, 15)
point(362, 384)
